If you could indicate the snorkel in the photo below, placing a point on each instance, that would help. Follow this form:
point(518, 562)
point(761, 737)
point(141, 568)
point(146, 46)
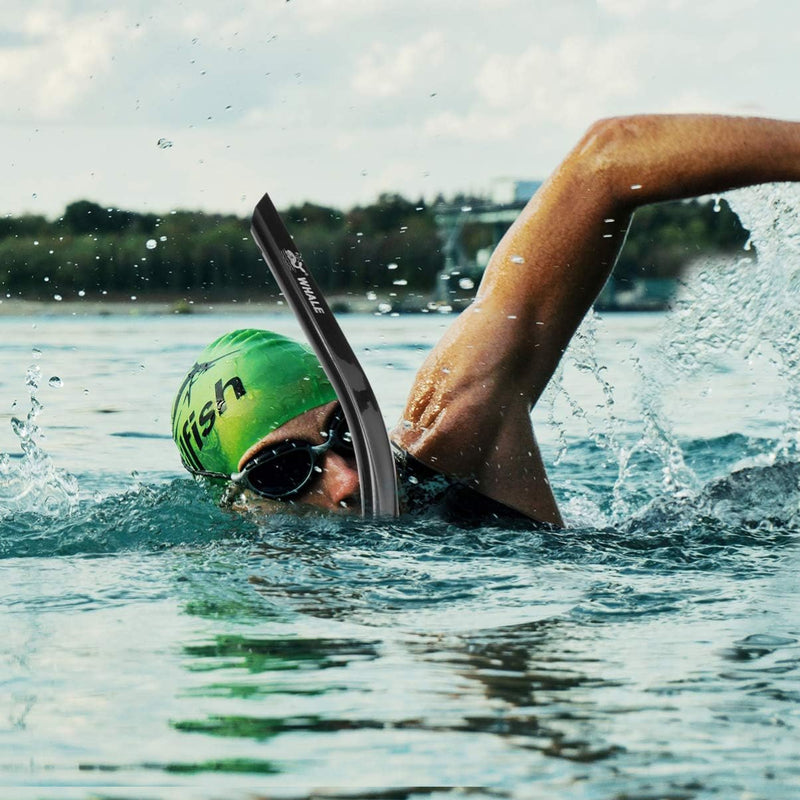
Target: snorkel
point(376, 471)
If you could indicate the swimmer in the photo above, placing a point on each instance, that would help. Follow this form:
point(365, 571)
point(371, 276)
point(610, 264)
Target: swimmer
point(256, 410)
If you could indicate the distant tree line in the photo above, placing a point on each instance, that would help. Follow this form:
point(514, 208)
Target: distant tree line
point(94, 251)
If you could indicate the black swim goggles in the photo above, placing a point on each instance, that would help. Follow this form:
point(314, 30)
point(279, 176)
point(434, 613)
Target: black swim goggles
point(286, 469)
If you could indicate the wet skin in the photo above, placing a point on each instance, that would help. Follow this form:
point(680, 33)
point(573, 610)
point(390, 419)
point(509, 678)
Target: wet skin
point(336, 489)
point(469, 411)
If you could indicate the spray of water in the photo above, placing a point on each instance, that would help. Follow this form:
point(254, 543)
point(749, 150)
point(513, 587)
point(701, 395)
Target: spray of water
point(32, 483)
point(740, 306)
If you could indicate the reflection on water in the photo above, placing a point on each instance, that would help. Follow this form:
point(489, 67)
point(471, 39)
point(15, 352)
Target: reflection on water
point(506, 684)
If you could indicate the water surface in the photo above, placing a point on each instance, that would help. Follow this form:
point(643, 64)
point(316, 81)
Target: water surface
point(155, 645)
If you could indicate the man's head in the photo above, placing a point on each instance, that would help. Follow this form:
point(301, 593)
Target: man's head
point(249, 391)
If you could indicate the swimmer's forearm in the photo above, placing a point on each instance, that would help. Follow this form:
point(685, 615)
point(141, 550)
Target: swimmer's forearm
point(552, 263)
point(653, 158)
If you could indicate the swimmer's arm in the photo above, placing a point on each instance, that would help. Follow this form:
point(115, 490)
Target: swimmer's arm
point(555, 259)
point(468, 413)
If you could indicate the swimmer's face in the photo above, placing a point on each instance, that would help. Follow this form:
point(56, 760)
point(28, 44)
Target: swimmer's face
point(335, 489)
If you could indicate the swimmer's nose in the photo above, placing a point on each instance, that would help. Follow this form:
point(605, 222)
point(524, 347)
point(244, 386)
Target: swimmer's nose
point(340, 478)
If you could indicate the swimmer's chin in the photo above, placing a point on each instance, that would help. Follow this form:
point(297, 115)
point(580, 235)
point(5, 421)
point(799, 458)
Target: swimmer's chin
point(247, 502)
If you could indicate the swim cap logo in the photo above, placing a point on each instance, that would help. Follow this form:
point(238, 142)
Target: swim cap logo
point(200, 368)
point(296, 263)
point(196, 427)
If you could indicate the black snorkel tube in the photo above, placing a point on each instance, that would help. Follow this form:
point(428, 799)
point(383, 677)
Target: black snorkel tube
point(373, 452)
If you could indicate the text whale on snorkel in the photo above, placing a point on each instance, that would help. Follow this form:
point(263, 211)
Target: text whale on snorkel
point(296, 263)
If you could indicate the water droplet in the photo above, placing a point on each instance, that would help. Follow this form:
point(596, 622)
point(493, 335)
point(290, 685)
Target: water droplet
point(151, 244)
point(36, 352)
point(384, 308)
point(164, 144)
point(55, 382)
point(34, 196)
point(81, 293)
point(636, 186)
point(400, 282)
point(391, 266)
point(517, 260)
point(371, 296)
point(58, 298)
point(466, 283)
point(35, 242)
point(162, 238)
point(466, 209)
point(32, 376)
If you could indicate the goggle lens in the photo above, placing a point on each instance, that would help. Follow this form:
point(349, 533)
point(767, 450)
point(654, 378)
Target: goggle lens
point(286, 470)
point(283, 474)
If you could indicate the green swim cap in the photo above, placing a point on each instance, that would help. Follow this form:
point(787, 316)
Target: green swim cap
point(243, 386)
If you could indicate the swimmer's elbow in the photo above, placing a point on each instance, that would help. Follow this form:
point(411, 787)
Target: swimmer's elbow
point(608, 153)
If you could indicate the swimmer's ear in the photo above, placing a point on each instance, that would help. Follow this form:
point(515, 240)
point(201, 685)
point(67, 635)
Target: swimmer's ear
point(376, 472)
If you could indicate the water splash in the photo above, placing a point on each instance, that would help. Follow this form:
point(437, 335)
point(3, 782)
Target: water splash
point(582, 355)
point(658, 440)
point(33, 483)
point(735, 306)
point(749, 308)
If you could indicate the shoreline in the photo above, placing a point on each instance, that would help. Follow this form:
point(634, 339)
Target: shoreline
point(15, 307)
point(147, 307)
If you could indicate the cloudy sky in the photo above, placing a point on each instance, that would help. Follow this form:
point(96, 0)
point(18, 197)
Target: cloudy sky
point(335, 101)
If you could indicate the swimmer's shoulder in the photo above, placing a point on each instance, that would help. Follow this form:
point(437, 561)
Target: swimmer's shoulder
point(425, 490)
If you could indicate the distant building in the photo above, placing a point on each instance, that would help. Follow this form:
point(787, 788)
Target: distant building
point(456, 282)
point(510, 191)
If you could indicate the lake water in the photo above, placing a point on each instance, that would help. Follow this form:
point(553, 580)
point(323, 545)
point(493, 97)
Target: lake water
point(154, 645)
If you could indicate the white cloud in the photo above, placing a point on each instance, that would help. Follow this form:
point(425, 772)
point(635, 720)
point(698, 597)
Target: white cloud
point(329, 99)
point(320, 16)
point(631, 9)
point(555, 81)
point(567, 84)
point(60, 60)
point(387, 71)
point(475, 126)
